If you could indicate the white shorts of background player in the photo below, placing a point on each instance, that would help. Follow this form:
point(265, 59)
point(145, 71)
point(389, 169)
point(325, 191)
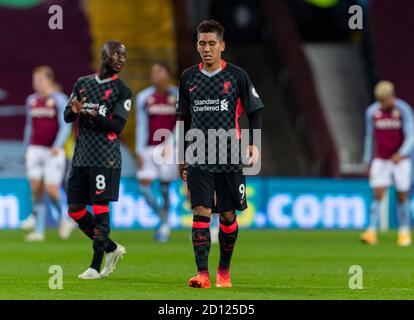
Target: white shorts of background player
point(157, 167)
point(384, 173)
point(41, 165)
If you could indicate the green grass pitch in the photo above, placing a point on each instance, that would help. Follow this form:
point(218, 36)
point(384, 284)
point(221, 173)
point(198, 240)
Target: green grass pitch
point(266, 265)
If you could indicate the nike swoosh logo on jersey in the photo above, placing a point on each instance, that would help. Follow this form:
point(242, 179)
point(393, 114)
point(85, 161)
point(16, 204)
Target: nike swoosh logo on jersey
point(193, 88)
point(242, 200)
point(99, 192)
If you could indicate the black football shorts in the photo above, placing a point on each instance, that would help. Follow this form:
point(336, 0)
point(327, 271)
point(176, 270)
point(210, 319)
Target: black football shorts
point(230, 190)
point(88, 185)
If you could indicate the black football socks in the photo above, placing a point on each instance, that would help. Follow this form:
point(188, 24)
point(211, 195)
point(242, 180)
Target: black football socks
point(227, 239)
point(201, 241)
point(85, 222)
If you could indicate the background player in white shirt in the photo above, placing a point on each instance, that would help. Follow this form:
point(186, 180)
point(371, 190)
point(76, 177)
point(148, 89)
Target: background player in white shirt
point(155, 159)
point(389, 142)
point(45, 135)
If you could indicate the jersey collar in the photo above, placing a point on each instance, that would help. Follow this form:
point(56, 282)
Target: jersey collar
point(210, 74)
point(114, 77)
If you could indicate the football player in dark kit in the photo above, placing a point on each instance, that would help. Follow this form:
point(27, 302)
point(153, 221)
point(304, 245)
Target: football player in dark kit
point(102, 102)
point(213, 95)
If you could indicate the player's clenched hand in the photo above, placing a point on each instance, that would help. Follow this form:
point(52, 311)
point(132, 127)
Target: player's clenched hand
point(77, 106)
point(252, 153)
point(54, 151)
point(183, 172)
point(90, 113)
point(396, 157)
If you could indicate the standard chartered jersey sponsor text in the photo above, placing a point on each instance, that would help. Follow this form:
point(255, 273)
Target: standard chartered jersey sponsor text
point(210, 105)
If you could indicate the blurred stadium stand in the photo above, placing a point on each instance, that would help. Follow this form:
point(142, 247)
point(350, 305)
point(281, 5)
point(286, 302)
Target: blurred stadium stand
point(394, 44)
point(28, 42)
point(342, 88)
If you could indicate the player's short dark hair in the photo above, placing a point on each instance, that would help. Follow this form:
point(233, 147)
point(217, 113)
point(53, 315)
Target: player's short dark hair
point(211, 26)
point(163, 64)
point(46, 70)
point(110, 43)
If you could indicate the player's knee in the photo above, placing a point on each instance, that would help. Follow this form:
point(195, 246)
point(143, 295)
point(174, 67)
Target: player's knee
point(145, 182)
point(52, 191)
point(37, 196)
point(227, 216)
point(202, 211)
point(37, 191)
point(378, 194)
point(402, 197)
point(76, 207)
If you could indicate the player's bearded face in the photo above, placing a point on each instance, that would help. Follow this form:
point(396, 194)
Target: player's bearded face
point(210, 47)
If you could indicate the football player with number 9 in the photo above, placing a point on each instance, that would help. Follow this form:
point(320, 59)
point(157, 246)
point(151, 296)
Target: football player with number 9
point(212, 96)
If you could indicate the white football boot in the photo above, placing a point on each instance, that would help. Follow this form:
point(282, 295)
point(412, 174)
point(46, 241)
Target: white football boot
point(163, 233)
point(111, 259)
point(28, 223)
point(90, 274)
point(35, 236)
point(65, 228)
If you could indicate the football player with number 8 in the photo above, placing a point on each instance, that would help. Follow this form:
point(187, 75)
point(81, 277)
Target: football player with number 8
point(102, 103)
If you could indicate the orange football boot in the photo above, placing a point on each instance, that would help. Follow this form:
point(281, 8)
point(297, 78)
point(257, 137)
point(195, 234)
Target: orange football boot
point(223, 278)
point(369, 237)
point(201, 280)
point(404, 239)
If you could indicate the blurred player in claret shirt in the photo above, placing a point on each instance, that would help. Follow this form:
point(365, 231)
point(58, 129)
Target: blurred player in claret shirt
point(44, 137)
point(155, 159)
point(389, 142)
point(213, 95)
point(102, 102)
